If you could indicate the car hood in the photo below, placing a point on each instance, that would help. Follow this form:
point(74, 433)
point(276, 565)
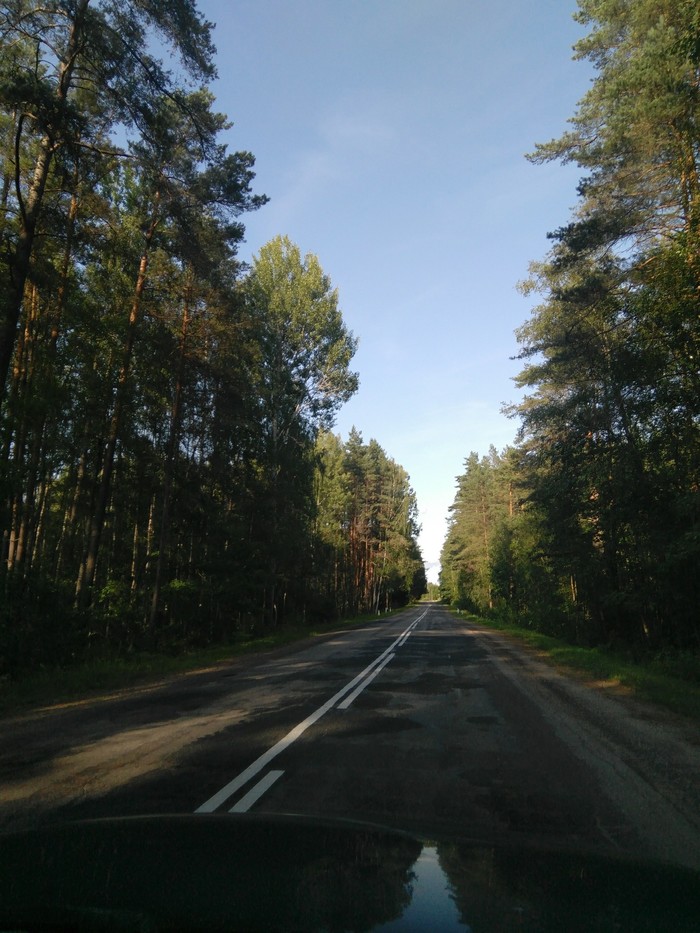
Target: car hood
point(245, 872)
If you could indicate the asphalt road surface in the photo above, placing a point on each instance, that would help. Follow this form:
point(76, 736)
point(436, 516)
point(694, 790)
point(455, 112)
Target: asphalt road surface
point(421, 722)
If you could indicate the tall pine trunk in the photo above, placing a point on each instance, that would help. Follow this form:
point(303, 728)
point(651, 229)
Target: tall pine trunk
point(170, 463)
point(30, 208)
point(88, 568)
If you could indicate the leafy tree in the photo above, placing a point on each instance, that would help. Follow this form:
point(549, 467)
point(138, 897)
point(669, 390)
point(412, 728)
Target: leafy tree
point(307, 347)
point(178, 186)
point(609, 432)
point(481, 502)
point(635, 131)
point(121, 273)
point(368, 522)
point(302, 378)
point(55, 57)
point(166, 475)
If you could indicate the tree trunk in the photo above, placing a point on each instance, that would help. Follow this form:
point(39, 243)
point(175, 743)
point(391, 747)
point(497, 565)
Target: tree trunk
point(171, 459)
point(86, 576)
point(30, 209)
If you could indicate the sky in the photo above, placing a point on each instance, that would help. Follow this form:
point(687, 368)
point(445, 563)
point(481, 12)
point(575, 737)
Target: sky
point(390, 137)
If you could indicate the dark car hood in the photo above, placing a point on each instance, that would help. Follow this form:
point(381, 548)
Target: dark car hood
point(247, 872)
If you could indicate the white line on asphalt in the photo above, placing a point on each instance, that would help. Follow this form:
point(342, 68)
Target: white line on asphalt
point(404, 637)
point(256, 767)
point(368, 680)
point(256, 792)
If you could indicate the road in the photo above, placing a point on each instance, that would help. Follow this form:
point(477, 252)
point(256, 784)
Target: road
point(422, 722)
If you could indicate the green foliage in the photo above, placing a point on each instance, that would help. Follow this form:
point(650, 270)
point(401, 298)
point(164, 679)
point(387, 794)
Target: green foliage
point(307, 348)
point(52, 684)
point(670, 679)
point(483, 499)
point(603, 545)
point(366, 527)
point(158, 426)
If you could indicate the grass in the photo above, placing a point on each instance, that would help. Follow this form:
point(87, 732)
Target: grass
point(50, 686)
point(671, 681)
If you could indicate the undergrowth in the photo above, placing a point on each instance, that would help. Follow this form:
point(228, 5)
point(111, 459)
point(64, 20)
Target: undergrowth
point(49, 686)
point(669, 679)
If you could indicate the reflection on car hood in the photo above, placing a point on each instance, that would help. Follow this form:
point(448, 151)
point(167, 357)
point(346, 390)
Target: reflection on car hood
point(246, 872)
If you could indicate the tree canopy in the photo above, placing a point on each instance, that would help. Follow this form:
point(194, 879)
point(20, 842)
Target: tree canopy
point(604, 542)
point(163, 408)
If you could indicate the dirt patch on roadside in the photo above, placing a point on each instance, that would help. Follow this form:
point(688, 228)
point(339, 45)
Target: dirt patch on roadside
point(646, 757)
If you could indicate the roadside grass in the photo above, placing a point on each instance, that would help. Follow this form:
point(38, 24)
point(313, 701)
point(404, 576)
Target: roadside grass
point(671, 681)
point(52, 686)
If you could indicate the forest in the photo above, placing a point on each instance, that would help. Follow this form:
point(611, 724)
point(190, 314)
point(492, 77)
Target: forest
point(589, 526)
point(168, 472)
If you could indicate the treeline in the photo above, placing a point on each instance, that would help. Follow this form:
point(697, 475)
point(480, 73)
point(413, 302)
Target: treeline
point(366, 528)
point(591, 526)
point(164, 456)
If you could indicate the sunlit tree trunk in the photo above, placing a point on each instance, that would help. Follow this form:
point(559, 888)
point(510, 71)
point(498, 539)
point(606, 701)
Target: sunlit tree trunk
point(171, 458)
point(86, 576)
point(31, 206)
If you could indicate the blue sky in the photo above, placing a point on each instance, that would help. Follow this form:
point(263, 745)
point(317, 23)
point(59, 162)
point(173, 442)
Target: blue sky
point(390, 137)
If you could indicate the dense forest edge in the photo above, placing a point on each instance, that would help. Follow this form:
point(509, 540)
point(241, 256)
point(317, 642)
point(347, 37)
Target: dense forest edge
point(51, 687)
point(666, 680)
point(169, 478)
point(169, 475)
point(588, 528)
